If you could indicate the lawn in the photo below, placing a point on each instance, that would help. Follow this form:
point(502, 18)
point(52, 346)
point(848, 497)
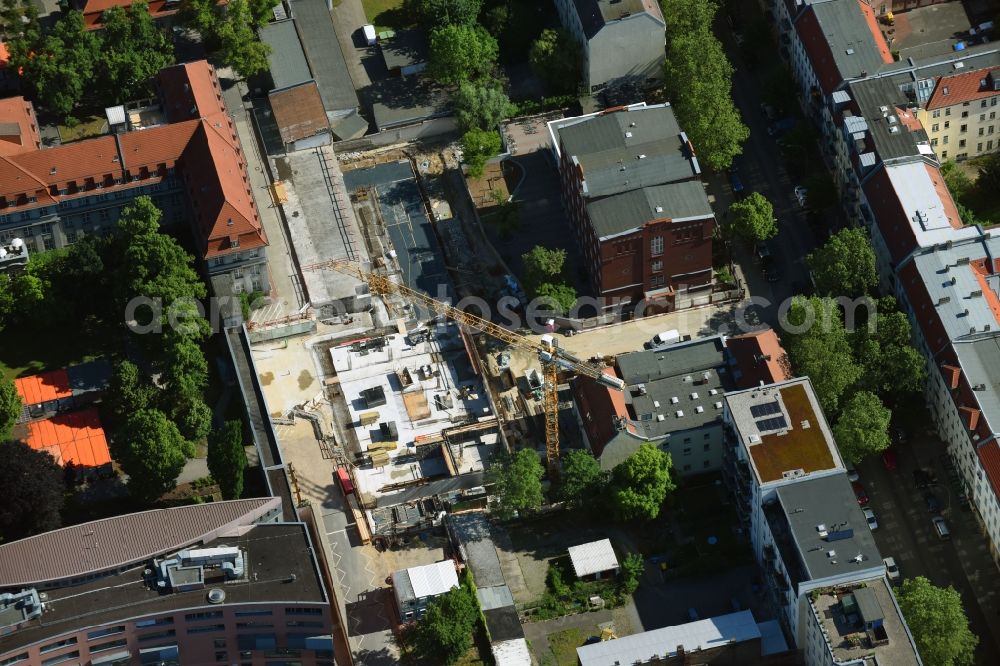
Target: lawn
point(387, 14)
point(562, 647)
point(88, 127)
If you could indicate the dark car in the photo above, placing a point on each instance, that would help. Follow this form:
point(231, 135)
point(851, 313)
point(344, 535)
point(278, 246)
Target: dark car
point(771, 271)
point(860, 493)
point(932, 502)
point(889, 459)
point(734, 180)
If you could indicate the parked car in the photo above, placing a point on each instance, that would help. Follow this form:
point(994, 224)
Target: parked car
point(941, 527)
point(891, 570)
point(870, 517)
point(852, 474)
point(801, 194)
point(763, 251)
point(772, 273)
point(768, 111)
point(781, 126)
point(889, 459)
point(933, 503)
point(734, 180)
point(860, 493)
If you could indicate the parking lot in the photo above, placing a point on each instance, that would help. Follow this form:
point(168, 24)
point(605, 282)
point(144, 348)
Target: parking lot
point(905, 533)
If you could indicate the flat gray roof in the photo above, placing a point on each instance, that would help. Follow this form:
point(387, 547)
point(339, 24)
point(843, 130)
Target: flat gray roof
point(824, 518)
point(871, 95)
point(287, 60)
point(396, 102)
point(322, 49)
point(980, 361)
point(849, 37)
point(628, 149)
point(405, 48)
point(627, 211)
point(475, 543)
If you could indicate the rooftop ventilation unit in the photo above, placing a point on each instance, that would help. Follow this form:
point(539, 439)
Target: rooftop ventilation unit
point(216, 596)
point(699, 409)
point(674, 400)
point(628, 135)
point(661, 417)
point(754, 438)
point(659, 209)
point(718, 405)
point(694, 396)
point(680, 413)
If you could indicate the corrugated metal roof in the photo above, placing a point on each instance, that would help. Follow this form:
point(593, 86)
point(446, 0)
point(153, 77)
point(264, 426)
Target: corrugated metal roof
point(593, 557)
point(511, 653)
point(107, 544)
point(497, 596)
point(431, 580)
point(950, 280)
point(693, 636)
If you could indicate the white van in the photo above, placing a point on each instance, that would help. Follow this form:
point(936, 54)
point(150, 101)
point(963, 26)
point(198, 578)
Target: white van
point(369, 31)
point(664, 338)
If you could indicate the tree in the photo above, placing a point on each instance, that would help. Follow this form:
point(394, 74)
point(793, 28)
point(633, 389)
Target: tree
point(822, 351)
point(185, 372)
point(698, 82)
point(481, 105)
point(192, 417)
point(893, 368)
point(10, 407)
point(445, 632)
point(7, 301)
point(633, 566)
point(131, 391)
point(227, 458)
point(845, 264)
point(862, 429)
point(57, 68)
point(938, 622)
point(557, 58)
point(151, 450)
point(133, 50)
point(582, 480)
point(440, 13)
point(958, 182)
point(17, 17)
point(560, 296)
point(33, 491)
point(542, 265)
point(461, 53)
point(640, 484)
point(262, 11)
point(753, 218)
point(156, 267)
point(517, 482)
point(989, 174)
point(241, 49)
point(478, 146)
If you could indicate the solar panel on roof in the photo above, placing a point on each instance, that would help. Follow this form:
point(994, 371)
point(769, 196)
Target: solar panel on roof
point(765, 409)
point(776, 423)
point(840, 535)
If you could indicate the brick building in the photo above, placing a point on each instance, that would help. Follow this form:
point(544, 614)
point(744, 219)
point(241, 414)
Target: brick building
point(184, 154)
point(630, 183)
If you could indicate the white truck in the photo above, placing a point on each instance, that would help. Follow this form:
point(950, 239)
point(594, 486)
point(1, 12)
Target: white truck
point(664, 338)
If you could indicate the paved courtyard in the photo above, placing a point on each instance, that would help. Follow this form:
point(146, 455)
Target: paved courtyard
point(928, 31)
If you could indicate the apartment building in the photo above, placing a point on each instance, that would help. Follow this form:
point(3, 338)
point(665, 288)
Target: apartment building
point(215, 583)
point(961, 114)
point(183, 153)
point(630, 183)
point(622, 41)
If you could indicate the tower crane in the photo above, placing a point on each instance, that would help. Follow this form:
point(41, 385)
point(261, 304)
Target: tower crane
point(549, 353)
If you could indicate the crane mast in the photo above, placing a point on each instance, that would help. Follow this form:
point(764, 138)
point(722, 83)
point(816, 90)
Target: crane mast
point(551, 355)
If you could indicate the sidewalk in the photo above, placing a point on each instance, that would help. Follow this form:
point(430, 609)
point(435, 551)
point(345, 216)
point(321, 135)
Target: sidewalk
point(286, 296)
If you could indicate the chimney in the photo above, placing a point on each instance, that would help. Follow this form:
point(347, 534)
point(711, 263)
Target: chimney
point(951, 375)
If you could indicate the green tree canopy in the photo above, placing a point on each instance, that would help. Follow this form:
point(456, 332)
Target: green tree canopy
point(232, 29)
point(640, 484)
point(133, 50)
point(131, 390)
point(845, 264)
point(227, 459)
point(481, 105)
point(444, 633)
point(560, 296)
point(439, 13)
point(478, 146)
point(938, 622)
point(544, 277)
point(33, 491)
point(517, 482)
point(461, 53)
point(192, 417)
point(633, 566)
point(151, 450)
point(752, 218)
point(893, 368)
point(10, 406)
point(557, 58)
point(185, 372)
point(989, 174)
point(862, 429)
point(582, 480)
point(17, 17)
point(57, 68)
point(822, 351)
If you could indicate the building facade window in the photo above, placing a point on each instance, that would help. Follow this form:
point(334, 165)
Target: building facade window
point(656, 246)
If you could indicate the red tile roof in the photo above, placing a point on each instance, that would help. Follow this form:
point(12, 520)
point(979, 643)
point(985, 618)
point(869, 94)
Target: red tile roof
point(989, 457)
point(872, 21)
point(18, 111)
point(93, 10)
point(965, 87)
point(760, 358)
point(76, 438)
point(201, 140)
point(46, 387)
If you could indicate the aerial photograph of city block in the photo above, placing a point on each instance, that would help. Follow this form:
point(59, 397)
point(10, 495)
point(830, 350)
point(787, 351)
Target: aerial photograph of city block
point(499, 332)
